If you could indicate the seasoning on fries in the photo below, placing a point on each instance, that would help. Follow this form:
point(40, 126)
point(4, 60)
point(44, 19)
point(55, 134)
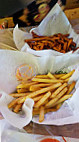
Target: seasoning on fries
point(48, 92)
point(59, 42)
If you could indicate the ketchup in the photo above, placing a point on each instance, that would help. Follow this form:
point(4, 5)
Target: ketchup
point(64, 139)
point(49, 140)
point(52, 140)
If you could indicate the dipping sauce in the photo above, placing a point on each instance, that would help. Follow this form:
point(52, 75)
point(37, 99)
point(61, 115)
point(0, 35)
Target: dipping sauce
point(49, 140)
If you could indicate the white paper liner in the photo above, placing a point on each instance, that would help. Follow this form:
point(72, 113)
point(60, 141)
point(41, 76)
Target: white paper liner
point(55, 22)
point(19, 37)
point(10, 60)
point(17, 120)
point(11, 134)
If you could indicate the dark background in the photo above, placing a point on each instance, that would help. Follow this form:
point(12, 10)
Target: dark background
point(9, 7)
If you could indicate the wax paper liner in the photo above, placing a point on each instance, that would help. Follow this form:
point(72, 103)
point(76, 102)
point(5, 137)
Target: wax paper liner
point(55, 22)
point(10, 60)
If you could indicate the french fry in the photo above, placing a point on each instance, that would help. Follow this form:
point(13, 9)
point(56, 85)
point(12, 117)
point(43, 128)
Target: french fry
point(36, 112)
point(37, 86)
point(69, 42)
point(61, 100)
point(36, 39)
point(32, 88)
point(45, 102)
point(61, 41)
point(62, 93)
point(58, 75)
point(54, 100)
point(12, 103)
point(73, 44)
point(17, 108)
point(66, 80)
point(14, 106)
point(37, 98)
point(51, 110)
point(51, 76)
point(41, 115)
point(47, 80)
point(42, 100)
point(58, 90)
point(35, 109)
point(67, 75)
point(58, 106)
point(71, 86)
point(42, 85)
point(22, 90)
point(41, 76)
point(51, 103)
point(41, 91)
point(56, 48)
point(65, 46)
point(15, 95)
point(25, 85)
point(63, 51)
point(35, 35)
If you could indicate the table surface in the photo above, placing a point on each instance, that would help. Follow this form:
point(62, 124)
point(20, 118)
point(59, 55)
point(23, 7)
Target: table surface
point(6, 42)
point(65, 130)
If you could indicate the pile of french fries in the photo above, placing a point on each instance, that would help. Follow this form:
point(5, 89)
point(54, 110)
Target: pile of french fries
point(48, 92)
point(59, 42)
